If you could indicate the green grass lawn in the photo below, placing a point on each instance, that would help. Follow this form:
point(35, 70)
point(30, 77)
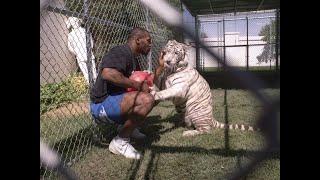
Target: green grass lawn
point(168, 155)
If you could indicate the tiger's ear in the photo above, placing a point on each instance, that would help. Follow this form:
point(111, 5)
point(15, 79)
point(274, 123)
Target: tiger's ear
point(186, 46)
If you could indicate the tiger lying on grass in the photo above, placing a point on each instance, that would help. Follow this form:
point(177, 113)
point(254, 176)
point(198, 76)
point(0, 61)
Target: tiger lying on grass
point(189, 92)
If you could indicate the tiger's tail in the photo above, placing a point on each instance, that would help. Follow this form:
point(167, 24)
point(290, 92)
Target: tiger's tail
point(241, 127)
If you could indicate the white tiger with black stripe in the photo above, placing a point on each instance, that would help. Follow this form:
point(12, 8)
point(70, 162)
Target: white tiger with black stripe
point(189, 91)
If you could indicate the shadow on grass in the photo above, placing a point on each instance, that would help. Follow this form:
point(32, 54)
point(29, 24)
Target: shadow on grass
point(223, 80)
point(226, 130)
point(217, 151)
point(154, 130)
point(76, 146)
point(156, 151)
point(72, 148)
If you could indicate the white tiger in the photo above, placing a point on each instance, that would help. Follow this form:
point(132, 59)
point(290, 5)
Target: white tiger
point(189, 91)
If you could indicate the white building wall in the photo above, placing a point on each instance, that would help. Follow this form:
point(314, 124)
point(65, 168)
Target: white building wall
point(56, 61)
point(235, 56)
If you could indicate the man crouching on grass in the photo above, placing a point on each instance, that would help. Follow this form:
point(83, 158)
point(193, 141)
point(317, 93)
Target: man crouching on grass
point(111, 101)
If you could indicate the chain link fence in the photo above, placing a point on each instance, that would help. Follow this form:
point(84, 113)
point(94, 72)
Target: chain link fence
point(66, 125)
point(248, 41)
point(74, 36)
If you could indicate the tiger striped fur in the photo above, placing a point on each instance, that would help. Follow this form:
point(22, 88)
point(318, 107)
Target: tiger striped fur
point(189, 92)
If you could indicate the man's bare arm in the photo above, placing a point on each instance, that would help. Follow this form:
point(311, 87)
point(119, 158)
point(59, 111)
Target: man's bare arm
point(119, 79)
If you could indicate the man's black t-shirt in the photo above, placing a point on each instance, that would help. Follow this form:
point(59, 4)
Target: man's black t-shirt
point(120, 58)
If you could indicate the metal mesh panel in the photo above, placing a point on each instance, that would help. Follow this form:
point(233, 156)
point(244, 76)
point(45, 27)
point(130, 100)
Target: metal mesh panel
point(236, 56)
point(265, 51)
point(65, 124)
point(210, 62)
point(241, 37)
point(70, 52)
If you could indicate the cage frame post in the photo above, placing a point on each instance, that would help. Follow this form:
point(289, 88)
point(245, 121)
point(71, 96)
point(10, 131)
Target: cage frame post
point(247, 46)
point(277, 39)
point(197, 27)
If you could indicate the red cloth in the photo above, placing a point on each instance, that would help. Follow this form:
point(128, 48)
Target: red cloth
point(140, 76)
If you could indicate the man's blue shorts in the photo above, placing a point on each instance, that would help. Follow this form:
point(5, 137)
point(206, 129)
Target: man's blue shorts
point(108, 110)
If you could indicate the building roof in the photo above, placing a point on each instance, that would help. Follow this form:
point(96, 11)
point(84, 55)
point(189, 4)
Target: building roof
point(204, 7)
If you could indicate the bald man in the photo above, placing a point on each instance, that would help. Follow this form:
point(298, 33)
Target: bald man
point(111, 102)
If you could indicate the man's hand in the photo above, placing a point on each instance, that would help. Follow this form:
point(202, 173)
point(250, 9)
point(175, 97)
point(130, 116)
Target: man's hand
point(145, 87)
point(159, 69)
point(161, 61)
point(119, 79)
point(153, 93)
point(153, 90)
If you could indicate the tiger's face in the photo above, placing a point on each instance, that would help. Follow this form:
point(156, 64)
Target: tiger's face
point(175, 57)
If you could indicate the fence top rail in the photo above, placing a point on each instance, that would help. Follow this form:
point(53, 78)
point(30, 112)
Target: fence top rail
point(239, 13)
point(97, 20)
point(235, 19)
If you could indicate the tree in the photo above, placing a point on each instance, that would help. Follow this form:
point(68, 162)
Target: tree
point(269, 36)
point(111, 20)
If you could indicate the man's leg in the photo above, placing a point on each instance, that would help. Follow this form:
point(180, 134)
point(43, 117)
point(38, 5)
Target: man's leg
point(134, 107)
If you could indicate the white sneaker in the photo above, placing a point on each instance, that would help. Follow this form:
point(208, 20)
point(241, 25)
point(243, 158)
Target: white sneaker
point(135, 134)
point(122, 146)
